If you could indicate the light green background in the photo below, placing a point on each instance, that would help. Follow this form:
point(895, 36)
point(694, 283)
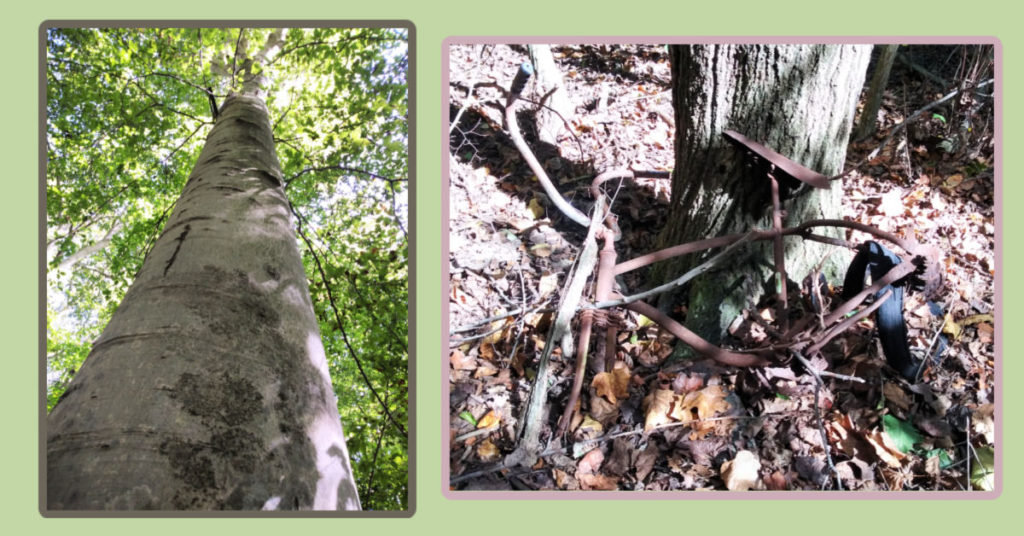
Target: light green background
point(434, 22)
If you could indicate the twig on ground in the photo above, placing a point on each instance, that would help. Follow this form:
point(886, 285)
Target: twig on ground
point(818, 384)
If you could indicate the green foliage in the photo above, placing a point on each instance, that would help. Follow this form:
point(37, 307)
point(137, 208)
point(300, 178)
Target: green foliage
point(902, 433)
point(983, 473)
point(127, 115)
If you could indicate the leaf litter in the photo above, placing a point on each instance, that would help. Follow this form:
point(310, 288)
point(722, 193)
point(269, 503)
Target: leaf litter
point(649, 424)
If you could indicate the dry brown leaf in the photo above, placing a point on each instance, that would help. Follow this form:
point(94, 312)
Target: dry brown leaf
point(884, 448)
point(590, 462)
point(603, 410)
point(711, 400)
point(894, 394)
point(659, 404)
point(776, 482)
point(986, 333)
point(548, 284)
point(485, 370)
point(645, 462)
point(461, 361)
point(613, 385)
point(498, 334)
point(741, 472)
point(489, 420)
point(983, 422)
point(599, 482)
point(564, 480)
point(487, 451)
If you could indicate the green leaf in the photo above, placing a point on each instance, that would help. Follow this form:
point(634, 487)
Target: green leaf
point(468, 417)
point(939, 117)
point(983, 475)
point(903, 433)
point(944, 459)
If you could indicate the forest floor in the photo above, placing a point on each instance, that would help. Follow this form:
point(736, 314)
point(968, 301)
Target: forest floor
point(655, 423)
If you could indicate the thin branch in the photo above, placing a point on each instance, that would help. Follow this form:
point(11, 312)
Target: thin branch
point(339, 167)
point(818, 384)
point(337, 318)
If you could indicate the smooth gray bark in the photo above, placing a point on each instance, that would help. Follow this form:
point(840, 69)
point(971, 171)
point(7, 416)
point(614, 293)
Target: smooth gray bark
point(550, 120)
point(798, 100)
point(209, 388)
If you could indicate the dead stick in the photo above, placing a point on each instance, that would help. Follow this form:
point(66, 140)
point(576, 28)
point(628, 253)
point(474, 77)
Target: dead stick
point(604, 280)
point(529, 446)
point(517, 138)
point(818, 384)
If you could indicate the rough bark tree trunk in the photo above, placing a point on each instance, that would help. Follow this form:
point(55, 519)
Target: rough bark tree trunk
point(798, 100)
point(879, 81)
point(209, 387)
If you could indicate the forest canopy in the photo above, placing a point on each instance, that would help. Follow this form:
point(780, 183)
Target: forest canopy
point(127, 113)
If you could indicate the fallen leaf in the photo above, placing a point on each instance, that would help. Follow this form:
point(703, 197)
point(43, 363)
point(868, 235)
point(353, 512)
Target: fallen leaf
point(892, 203)
point(564, 480)
point(986, 333)
point(599, 482)
point(855, 471)
point(591, 425)
point(590, 462)
point(645, 462)
point(487, 350)
point(659, 404)
point(461, 361)
point(983, 422)
point(535, 208)
point(489, 420)
point(983, 474)
point(953, 181)
point(902, 433)
point(977, 319)
point(485, 370)
point(613, 385)
point(541, 250)
point(895, 395)
point(951, 328)
point(487, 451)
point(884, 448)
point(776, 482)
point(548, 284)
point(603, 411)
point(468, 417)
point(741, 472)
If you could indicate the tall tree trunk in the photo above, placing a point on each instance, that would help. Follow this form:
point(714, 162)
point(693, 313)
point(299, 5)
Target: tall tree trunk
point(798, 100)
point(209, 387)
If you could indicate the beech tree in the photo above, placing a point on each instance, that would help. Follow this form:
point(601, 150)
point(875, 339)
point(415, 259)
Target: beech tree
point(796, 99)
point(217, 381)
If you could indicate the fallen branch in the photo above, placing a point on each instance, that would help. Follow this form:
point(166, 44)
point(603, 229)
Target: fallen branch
point(529, 446)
